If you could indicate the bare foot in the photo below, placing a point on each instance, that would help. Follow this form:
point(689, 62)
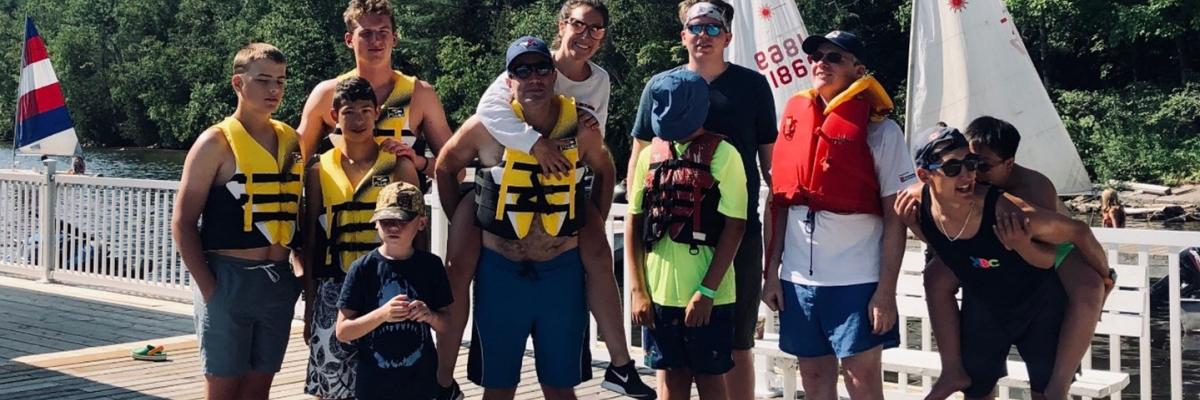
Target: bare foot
point(949, 383)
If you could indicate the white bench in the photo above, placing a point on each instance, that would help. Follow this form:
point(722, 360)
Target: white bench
point(1126, 314)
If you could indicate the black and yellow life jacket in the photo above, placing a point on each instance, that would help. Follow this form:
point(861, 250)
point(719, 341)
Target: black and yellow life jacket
point(393, 115)
point(509, 195)
point(259, 205)
point(346, 219)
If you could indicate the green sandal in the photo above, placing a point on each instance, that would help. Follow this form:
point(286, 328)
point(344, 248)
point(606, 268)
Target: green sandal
point(149, 353)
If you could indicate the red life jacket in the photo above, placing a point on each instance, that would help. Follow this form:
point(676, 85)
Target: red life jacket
point(821, 157)
point(681, 194)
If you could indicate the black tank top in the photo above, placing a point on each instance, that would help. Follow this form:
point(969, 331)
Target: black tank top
point(994, 275)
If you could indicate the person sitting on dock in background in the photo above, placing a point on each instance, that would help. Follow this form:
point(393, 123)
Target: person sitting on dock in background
point(243, 177)
point(995, 143)
point(77, 166)
point(1112, 213)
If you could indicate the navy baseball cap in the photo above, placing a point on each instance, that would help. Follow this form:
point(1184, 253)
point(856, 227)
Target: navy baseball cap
point(942, 140)
point(846, 41)
point(680, 104)
point(525, 45)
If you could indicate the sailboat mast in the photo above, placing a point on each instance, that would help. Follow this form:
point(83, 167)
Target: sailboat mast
point(17, 112)
point(908, 90)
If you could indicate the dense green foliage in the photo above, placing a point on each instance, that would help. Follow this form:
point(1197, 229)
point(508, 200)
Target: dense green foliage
point(156, 72)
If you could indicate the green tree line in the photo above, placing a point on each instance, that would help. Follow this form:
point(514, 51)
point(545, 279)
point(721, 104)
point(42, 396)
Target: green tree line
point(156, 72)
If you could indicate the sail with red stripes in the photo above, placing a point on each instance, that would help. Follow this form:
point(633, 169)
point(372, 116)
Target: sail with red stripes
point(43, 124)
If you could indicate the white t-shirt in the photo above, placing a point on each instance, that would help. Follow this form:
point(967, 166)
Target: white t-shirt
point(496, 113)
point(844, 249)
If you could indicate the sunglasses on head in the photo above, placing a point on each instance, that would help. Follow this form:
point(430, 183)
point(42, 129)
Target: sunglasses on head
point(832, 57)
point(954, 166)
point(710, 29)
point(527, 70)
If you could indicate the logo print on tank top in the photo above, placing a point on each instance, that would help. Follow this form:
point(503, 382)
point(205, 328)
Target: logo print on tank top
point(983, 263)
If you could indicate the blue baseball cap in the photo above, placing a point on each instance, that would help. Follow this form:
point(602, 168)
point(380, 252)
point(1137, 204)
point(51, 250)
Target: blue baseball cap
point(942, 140)
point(680, 104)
point(525, 45)
point(846, 41)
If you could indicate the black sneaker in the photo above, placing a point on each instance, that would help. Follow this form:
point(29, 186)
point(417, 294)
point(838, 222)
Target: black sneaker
point(626, 380)
point(451, 392)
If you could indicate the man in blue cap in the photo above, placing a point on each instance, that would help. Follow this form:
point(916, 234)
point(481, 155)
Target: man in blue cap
point(741, 107)
point(833, 256)
point(687, 213)
point(530, 277)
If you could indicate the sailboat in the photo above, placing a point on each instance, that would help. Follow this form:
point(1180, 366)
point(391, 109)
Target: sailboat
point(42, 124)
point(966, 60)
point(767, 37)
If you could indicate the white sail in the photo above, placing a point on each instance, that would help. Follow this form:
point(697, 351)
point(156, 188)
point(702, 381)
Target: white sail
point(767, 35)
point(966, 60)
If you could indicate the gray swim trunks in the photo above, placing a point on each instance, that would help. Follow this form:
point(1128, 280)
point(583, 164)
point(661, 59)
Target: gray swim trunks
point(244, 326)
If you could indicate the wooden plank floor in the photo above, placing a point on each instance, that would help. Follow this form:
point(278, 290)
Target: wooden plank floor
point(113, 375)
point(69, 343)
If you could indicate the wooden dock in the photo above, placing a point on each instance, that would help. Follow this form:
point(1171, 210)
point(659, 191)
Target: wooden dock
point(68, 343)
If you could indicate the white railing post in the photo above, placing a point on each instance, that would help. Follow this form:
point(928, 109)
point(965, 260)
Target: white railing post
point(1174, 331)
point(48, 235)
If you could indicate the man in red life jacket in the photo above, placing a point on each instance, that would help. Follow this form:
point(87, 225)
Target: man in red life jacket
point(834, 252)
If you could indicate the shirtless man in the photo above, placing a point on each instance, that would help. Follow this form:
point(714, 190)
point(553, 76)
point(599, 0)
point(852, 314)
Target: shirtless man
point(989, 240)
point(995, 142)
point(530, 276)
point(410, 112)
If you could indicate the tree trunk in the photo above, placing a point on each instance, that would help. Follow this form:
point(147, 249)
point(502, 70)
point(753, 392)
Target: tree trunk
point(1185, 68)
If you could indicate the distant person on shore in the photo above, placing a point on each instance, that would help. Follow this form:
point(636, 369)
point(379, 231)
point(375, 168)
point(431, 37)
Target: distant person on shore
point(411, 115)
point(1112, 213)
point(77, 166)
point(243, 176)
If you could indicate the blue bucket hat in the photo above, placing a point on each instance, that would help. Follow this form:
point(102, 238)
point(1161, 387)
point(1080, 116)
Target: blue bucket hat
point(680, 104)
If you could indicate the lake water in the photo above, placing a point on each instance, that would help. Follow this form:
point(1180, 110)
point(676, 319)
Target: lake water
point(111, 162)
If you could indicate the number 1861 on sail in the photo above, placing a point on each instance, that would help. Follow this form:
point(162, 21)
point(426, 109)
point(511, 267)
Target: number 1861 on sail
point(784, 63)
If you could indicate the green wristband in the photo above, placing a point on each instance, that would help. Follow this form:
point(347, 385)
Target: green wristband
point(706, 292)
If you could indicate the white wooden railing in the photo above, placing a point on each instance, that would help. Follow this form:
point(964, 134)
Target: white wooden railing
point(116, 233)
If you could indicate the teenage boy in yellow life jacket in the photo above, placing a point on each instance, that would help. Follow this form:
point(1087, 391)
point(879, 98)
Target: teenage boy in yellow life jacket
point(243, 176)
point(411, 115)
point(341, 190)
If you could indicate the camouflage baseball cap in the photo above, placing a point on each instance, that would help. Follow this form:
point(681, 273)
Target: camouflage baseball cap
point(399, 200)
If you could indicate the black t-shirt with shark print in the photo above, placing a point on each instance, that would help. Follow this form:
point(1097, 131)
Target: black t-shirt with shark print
point(397, 360)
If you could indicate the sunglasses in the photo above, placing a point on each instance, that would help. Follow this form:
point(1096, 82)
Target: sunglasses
point(832, 57)
point(710, 29)
point(953, 167)
point(594, 31)
point(527, 70)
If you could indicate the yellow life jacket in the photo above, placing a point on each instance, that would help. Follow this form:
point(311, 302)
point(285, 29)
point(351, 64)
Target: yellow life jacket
point(393, 115)
point(262, 199)
point(346, 219)
point(510, 194)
